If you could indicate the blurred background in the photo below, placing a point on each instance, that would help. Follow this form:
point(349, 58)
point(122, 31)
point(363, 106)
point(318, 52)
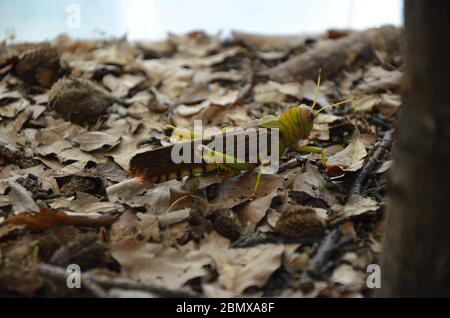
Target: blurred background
point(37, 20)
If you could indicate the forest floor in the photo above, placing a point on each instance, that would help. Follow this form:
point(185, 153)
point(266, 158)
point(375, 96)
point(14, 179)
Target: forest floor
point(73, 114)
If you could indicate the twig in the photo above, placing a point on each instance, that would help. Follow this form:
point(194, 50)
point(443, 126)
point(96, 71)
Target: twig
point(258, 238)
point(46, 197)
point(120, 282)
point(372, 162)
point(60, 274)
point(329, 247)
point(95, 284)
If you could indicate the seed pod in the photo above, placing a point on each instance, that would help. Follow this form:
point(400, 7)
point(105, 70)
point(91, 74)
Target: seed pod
point(39, 66)
point(300, 222)
point(227, 224)
point(79, 100)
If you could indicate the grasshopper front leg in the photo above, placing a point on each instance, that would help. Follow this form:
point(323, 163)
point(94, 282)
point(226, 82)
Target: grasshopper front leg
point(313, 149)
point(258, 176)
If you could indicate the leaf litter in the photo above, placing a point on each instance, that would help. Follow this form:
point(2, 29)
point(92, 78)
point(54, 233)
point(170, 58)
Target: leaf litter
point(73, 113)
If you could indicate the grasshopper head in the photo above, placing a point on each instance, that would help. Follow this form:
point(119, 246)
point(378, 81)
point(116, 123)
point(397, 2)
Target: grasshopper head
point(296, 124)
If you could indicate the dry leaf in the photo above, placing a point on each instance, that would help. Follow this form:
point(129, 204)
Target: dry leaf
point(126, 191)
point(346, 275)
point(174, 217)
point(76, 154)
point(120, 86)
point(241, 268)
point(87, 204)
point(96, 140)
point(236, 190)
point(47, 218)
point(13, 109)
point(351, 158)
point(152, 263)
point(20, 198)
point(365, 103)
point(273, 92)
point(357, 205)
point(256, 210)
point(313, 184)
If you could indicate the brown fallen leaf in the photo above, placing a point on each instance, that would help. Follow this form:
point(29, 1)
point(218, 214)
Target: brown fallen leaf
point(389, 104)
point(76, 154)
point(351, 158)
point(86, 204)
point(120, 86)
point(47, 218)
point(174, 217)
point(365, 103)
point(382, 81)
point(357, 205)
point(237, 190)
point(134, 193)
point(256, 210)
point(96, 140)
point(12, 109)
point(119, 52)
point(20, 198)
point(313, 184)
point(56, 138)
point(125, 191)
point(346, 275)
point(241, 268)
point(309, 91)
point(273, 92)
point(153, 263)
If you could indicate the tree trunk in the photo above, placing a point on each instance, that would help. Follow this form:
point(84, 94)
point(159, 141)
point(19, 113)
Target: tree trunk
point(416, 254)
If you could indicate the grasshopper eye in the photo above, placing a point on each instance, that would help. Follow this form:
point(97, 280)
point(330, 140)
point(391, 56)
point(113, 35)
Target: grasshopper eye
point(311, 116)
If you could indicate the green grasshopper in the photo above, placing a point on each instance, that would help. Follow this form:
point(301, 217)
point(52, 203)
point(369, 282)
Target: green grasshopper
point(293, 125)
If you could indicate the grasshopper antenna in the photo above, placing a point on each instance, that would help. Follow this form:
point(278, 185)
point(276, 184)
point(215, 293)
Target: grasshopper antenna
point(316, 93)
point(336, 104)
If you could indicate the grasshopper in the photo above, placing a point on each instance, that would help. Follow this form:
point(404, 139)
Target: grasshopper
point(293, 125)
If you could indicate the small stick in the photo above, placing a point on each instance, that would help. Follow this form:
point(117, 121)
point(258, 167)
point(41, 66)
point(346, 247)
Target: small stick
point(372, 162)
point(258, 238)
point(60, 274)
point(121, 282)
point(95, 284)
point(329, 247)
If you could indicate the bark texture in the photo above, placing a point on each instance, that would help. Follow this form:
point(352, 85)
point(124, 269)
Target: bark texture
point(336, 55)
point(416, 254)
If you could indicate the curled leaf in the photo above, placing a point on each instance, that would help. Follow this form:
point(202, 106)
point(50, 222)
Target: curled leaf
point(47, 218)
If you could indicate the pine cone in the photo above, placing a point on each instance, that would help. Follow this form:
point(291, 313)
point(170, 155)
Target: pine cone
point(79, 100)
point(300, 222)
point(40, 66)
point(227, 224)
